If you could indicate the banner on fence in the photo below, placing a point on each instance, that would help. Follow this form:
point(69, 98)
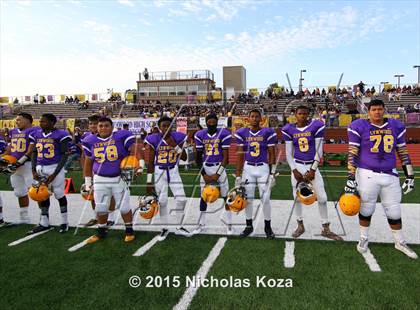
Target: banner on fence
point(135, 125)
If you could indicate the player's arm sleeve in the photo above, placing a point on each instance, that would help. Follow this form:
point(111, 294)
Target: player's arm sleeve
point(319, 142)
point(129, 140)
point(289, 155)
point(34, 153)
point(225, 149)
point(402, 148)
point(403, 153)
point(239, 140)
point(353, 152)
point(64, 147)
point(272, 139)
point(199, 153)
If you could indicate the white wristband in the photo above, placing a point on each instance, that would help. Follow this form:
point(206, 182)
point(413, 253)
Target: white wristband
point(220, 170)
point(142, 163)
point(273, 169)
point(88, 181)
point(23, 159)
point(314, 165)
point(178, 149)
point(149, 178)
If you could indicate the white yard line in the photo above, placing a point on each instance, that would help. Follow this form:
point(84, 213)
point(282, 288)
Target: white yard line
point(141, 251)
point(78, 246)
point(190, 292)
point(371, 261)
point(29, 237)
point(289, 254)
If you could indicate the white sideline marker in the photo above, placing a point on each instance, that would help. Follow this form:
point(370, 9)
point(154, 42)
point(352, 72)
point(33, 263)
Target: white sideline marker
point(142, 250)
point(190, 292)
point(29, 237)
point(289, 255)
point(371, 261)
point(78, 246)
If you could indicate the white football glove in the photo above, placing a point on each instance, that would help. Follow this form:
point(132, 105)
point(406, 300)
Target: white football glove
point(408, 185)
point(350, 187)
point(238, 181)
point(271, 181)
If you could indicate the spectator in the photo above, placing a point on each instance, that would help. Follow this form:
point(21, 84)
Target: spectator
point(36, 99)
point(146, 74)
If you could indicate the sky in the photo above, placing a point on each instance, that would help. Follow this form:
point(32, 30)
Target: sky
point(67, 47)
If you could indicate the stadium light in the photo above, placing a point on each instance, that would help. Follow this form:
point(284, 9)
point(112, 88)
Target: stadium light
point(301, 80)
point(399, 76)
point(418, 73)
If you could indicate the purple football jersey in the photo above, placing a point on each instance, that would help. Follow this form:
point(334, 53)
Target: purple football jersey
point(3, 145)
point(48, 145)
point(86, 134)
point(255, 144)
point(212, 145)
point(107, 153)
point(377, 144)
point(165, 155)
point(303, 139)
point(19, 140)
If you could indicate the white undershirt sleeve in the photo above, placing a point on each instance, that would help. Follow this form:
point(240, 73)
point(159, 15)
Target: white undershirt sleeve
point(289, 155)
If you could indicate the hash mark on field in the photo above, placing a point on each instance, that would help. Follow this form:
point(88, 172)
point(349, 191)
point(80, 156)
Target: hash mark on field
point(371, 261)
point(190, 292)
point(19, 241)
point(141, 251)
point(289, 255)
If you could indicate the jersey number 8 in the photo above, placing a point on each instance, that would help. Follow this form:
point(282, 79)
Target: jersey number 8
point(388, 143)
point(110, 153)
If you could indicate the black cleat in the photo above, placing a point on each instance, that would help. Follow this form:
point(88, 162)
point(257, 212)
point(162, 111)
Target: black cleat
point(268, 231)
point(91, 222)
point(37, 229)
point(247, 231)
point(63, 228)
point(110, 223)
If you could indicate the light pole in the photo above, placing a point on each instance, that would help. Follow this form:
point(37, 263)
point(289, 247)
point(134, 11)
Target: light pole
point(301, 80)
point(399, 76)
point(382, 83)
point(418, 73)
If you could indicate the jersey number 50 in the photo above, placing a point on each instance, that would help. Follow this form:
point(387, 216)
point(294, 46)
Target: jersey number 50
point(18, 145)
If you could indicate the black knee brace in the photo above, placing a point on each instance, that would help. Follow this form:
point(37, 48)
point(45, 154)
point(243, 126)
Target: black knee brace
point(44, 204)
point(394, 222)
point(365, 218)
point(203, 205)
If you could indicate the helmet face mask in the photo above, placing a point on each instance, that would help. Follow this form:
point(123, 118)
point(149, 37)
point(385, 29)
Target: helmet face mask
point(305, 193)
point(87, 195)
point(128, 167)
point(236, 199)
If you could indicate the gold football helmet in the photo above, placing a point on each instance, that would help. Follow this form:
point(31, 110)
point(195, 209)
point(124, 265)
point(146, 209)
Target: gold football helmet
point(210, 193)
point(236, 199)
point(148, 206)
point(39, 192)
point(350, 203)
point(305, 193)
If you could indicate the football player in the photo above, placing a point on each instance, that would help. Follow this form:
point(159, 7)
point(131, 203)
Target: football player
point(166, 148)
point(303, 153)
point(3, 145)
point(256, 166)
point(212, 147)
point(48, 159)
point(20, 147)
point(373, 144)
point(93, 130)
point(104, 153)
